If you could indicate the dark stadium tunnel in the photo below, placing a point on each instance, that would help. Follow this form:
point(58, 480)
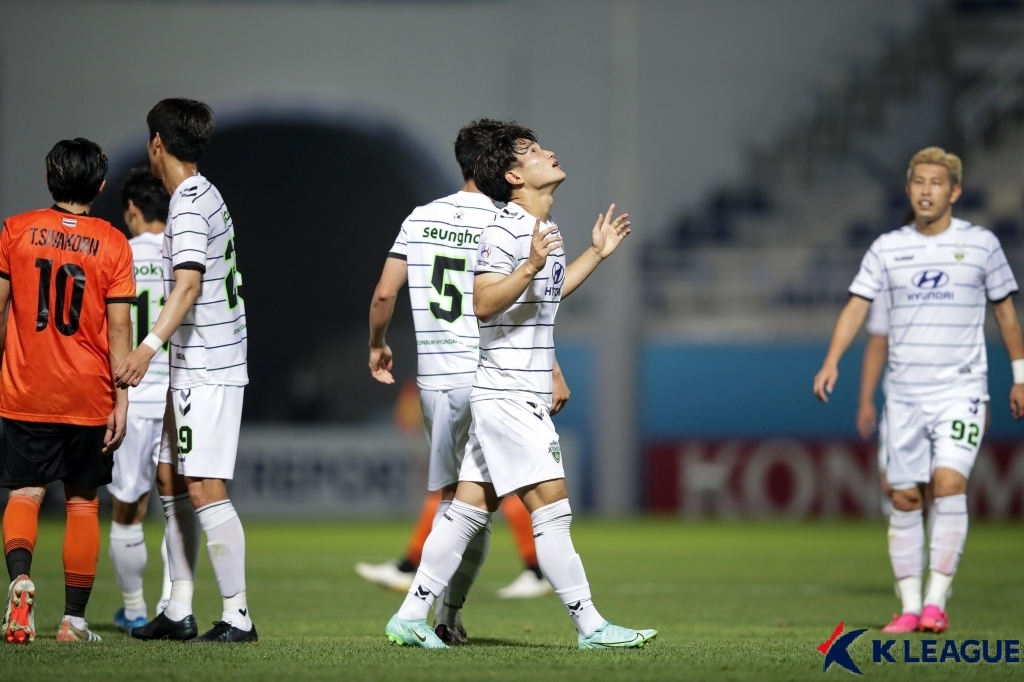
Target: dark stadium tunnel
point(316, 206)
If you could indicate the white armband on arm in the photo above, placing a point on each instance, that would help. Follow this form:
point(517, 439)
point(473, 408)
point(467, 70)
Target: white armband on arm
point(154, 342)
point(1018, 371)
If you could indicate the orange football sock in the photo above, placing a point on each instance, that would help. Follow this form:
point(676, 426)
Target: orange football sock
point(21, 530)
point(81, 553)
point(423, 526)
point(522, 528)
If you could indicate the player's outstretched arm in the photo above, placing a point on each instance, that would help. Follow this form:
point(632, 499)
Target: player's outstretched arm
point(494, 292)
point(1009, 329)
point(119, 340)
point(560, 392)
point(392, 279)
point(870, 372)
point(849, 323)
point(187, 284)
point(604, 238)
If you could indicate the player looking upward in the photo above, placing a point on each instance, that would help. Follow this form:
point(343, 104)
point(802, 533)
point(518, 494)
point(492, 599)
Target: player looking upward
point(519, 279)
point(436, 252)
point(68, 279)
point(935, 277)
point(145, 201)
point(204, 320)
point(438, 235)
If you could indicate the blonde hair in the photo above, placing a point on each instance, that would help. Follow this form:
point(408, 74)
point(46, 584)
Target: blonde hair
point(939, 157)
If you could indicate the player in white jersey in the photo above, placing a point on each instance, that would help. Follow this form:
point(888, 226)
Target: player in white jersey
point(436, 252)
point(204, 320)
point(520, 277)
point(935, 277)
point(145, 203)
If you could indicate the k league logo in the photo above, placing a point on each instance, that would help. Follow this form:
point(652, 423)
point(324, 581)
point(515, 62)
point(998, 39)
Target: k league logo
point(930, 279)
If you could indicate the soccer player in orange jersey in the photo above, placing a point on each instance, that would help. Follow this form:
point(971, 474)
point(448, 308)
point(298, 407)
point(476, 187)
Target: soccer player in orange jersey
point(68, 279)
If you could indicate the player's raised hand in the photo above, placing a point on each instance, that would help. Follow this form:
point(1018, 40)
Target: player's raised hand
point(542, 244)
point(1017, 401)
point(608, 234)
point(825, 381)
point(116, 422)
point(132, 368)
point(380, 364)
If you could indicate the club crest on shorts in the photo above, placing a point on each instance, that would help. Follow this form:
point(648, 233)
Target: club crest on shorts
point(555, 451)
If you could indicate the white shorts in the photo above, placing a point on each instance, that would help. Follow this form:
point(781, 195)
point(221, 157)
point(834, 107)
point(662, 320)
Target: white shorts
point(883, 456)
point(206, 423)
point(919, 437)
point(135, 461)
point(512, 444)
point(446, 416)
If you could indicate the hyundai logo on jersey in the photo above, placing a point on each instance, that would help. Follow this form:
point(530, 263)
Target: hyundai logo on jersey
point(557, 273)
point(930, 279)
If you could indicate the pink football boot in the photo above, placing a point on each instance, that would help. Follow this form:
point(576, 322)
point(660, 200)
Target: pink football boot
point(933, 619)
point(908, 622)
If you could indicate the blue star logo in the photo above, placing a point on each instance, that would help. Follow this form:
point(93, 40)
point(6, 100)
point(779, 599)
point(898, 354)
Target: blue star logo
point(836, 650)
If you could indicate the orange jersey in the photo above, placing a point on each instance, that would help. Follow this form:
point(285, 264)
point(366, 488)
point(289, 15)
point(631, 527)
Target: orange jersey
point(64, 269)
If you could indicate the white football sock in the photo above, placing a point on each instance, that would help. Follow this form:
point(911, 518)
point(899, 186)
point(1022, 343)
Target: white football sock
point(458, 587)
point(906, 552)
point(949, 534)
point(128, 555)
point(442, 507)
point(226, 541)
point(165, 589)
point(909, 591)
point(442, 554)
point(181, 541)
point(562, 565)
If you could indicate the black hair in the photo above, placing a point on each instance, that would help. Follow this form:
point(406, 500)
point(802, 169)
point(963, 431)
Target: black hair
point(147, 193)
point(75, 170)
point(185, 127)
point(472, 141)
point(498, 158)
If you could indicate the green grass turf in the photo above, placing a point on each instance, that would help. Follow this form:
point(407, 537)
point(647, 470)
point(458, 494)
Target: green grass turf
point(731, 602)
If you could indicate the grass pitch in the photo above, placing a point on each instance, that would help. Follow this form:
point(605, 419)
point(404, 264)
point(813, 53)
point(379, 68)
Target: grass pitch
point(730, 601)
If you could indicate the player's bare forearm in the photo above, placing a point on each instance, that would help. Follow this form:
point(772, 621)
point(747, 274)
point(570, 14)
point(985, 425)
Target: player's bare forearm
point(1009, 327)
point(187, 285)
point(392, 279)
point(560, 392)
point(119, 341)
point(849, 323)
point(494, 293)
point(578, 271)
point(871, 369)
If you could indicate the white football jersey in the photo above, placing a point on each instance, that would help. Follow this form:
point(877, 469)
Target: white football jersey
point(439, 241)
point(935, 290)
point(149, 397)
point(517, 347)
point(878, 319)
point(210, 345)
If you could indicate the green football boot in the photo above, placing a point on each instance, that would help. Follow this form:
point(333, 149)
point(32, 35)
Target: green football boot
point(412, 633)
point(610, 636)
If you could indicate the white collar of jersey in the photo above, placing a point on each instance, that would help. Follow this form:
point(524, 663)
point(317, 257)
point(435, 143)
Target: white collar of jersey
point(477, 199)
point(515, 209)
point(954, 224)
